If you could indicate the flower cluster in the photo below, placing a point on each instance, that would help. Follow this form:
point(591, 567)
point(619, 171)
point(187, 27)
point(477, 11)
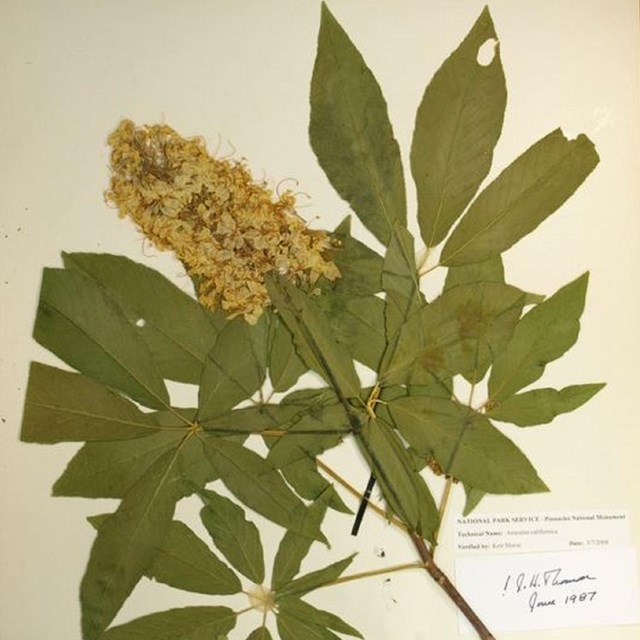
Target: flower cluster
point(227, 229)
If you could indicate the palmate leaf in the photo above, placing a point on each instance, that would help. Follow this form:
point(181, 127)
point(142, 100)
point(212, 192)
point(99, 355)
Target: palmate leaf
point(465, 444)
point(188, 623)
point(457, 126)
point(61, 406)
point(78, 322)
point(541, 336)
point(351, 135)
point(234, 369)
point(177, 329)
point(540, 406)
point(235, 537)
point(520, 198)
point(184, 561)
point(306, 614)
point(126, 543)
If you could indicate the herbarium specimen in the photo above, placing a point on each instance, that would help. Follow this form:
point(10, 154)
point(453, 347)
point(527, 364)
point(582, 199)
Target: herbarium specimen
point(273, 300)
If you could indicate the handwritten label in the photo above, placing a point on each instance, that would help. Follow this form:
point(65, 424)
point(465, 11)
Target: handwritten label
point(520, 592)
point(545, 531)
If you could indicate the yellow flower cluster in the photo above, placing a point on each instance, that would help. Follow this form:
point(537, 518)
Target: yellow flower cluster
point(228, 230)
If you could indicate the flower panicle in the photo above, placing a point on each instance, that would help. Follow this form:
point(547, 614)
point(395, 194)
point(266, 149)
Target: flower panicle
point(228, 230)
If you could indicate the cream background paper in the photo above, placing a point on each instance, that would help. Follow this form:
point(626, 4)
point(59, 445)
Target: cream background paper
point(239, 71)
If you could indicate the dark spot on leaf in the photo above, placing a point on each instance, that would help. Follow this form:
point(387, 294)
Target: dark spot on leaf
point(432, 359)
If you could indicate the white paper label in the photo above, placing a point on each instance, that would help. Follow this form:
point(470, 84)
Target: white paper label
point(520, 592)
point(545, 531)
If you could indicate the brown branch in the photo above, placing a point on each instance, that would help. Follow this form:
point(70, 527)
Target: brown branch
point(449, 588)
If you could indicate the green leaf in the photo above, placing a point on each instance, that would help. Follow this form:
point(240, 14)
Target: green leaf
point(403, 297)
point(401, 282)
point(309, 483)
point(542, 335)
point(61, 406)
point(357, 324)
point(361, 328)
point(260, 337)
point(188, 623)
point(285, 365)
point(258, 485)
point(177, 329)
point(457, 126)
point(491, 270)
point(185, 562)
point(293, 547)
point(351, 135)
point(520, 198)
point(459, 332)
point(486, 314)
point(78, 322)
point(465, 444)
point(360, 266)
point(474, 496)
point(235, 536)
point(542, 405)
point(402, 486)
point(126, 543)
point(110, 469)
point(291, 628)
point(304, 612)
point(195, 466)
point(261, 633)
point(314, 339)
point(314, 580)
point(233, 371)
point(326, 426)
point(253, 419)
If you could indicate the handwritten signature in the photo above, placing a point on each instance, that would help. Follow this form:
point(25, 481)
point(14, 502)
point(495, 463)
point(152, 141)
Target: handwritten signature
point(549, 578)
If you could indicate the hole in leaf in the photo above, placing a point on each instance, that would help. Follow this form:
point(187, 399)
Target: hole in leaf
point(141, 322)
point(487, 52)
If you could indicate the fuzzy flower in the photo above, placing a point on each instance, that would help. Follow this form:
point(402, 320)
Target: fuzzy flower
point(228, 230)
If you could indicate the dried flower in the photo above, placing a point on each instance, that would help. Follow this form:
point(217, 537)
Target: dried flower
point(227, 229)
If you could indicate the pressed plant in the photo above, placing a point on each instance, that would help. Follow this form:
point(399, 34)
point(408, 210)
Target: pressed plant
point(273, 300)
